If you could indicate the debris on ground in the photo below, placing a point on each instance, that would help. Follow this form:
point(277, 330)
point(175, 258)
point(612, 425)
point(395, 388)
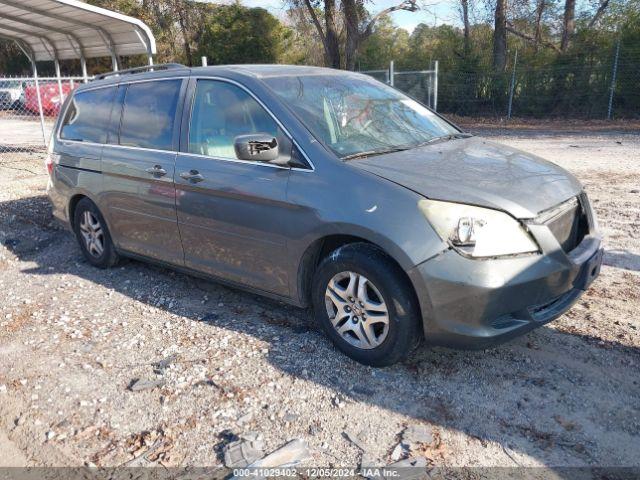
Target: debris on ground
point(369, 460)
point(139, 384)
point(355, 439)
point(160, 367)
point(416, 434)
point(400, 451)
point(289, 455)
point(148, 448)
point(245, 451)
point(409, 462)
point(411, 469)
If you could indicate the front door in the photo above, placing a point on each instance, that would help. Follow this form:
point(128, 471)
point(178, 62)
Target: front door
point(138, 167)
point(231, 212)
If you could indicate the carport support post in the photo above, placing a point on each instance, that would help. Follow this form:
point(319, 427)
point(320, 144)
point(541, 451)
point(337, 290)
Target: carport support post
point(35, 77)
point(83, 66)
point(57, 66)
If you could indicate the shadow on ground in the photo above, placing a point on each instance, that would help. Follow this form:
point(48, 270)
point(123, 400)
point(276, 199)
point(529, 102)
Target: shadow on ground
point(622, 259)
point(549, 395)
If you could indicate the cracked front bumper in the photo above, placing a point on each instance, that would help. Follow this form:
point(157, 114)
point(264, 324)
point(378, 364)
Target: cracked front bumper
point(470, 303)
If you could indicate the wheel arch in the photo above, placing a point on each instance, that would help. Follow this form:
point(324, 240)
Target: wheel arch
point(73, 203)
point(75, 198)
point(323, 246)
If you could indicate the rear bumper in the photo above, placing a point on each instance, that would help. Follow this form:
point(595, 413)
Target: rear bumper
point(469, 303)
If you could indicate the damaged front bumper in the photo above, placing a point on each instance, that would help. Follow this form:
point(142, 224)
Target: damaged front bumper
point(471, 303)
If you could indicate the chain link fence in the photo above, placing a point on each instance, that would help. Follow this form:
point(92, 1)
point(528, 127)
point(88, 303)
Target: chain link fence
point(605, 87)
point(419, 84)
point(28, 109)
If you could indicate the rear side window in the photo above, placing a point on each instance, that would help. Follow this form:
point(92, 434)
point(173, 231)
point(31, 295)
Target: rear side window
point(148, 114)
point(87, 117)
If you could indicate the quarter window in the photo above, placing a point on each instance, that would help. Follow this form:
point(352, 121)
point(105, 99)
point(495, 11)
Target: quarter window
point(222, 111)
point(149, 114)
point(87, 116)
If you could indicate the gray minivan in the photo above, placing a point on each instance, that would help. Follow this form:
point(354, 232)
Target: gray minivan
point(327, 189)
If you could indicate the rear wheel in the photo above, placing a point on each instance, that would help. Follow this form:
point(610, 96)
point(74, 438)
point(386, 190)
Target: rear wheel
point(365, 305)
point(93, 235)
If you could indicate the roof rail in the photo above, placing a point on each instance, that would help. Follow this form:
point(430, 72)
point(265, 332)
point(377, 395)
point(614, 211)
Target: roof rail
point(146, 68)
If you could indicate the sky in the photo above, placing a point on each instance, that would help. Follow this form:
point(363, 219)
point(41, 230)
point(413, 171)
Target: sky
point(435, 12)
point(432, 12)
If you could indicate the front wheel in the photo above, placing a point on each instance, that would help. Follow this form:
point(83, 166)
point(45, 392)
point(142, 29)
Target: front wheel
point(366, 306)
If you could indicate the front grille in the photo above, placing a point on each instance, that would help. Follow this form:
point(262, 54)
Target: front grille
point(568, 222)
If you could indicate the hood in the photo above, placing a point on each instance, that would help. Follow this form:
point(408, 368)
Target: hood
point(477, 172)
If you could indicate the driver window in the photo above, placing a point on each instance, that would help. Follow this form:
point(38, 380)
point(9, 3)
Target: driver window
point(222, 111)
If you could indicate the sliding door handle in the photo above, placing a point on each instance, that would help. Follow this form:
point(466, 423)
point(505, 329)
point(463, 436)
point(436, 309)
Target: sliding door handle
point(192, 176)
point(156, 171)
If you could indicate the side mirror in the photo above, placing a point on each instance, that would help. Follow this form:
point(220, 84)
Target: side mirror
point(257, 147)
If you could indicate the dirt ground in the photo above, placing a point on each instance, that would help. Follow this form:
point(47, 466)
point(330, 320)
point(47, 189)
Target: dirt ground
point(73, 338)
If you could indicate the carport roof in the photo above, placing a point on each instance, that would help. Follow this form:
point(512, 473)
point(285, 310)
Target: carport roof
point(70, 29)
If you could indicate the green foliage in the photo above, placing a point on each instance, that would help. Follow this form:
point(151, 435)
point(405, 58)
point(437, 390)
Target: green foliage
point(386, 43)
point(12, 60)
point(236, 34)
point(575, 82)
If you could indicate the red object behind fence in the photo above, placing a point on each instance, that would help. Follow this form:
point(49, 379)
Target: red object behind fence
point(49, 95)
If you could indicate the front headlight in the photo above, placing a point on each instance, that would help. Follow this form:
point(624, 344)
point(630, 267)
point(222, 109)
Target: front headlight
point(476, 231)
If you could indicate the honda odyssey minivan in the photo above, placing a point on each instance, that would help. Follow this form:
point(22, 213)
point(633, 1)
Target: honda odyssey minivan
point(326, 189)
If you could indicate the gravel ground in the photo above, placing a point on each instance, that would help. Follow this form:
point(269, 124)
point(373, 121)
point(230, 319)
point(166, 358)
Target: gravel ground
point(73, 338)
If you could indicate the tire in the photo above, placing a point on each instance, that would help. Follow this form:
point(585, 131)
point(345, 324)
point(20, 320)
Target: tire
point(386, 288)
point(92, 232)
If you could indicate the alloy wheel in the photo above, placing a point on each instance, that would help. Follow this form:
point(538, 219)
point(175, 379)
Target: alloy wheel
point(357, 310)
point(92, 234)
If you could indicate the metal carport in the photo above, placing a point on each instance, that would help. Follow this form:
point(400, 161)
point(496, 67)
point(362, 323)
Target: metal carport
point(54, 30)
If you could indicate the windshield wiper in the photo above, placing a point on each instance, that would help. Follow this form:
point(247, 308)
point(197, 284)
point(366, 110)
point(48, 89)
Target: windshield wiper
point(381, 151)
point(445, 138)
point(370, 153)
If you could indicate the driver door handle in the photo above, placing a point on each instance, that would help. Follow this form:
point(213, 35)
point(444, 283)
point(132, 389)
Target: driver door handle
point(192, 176)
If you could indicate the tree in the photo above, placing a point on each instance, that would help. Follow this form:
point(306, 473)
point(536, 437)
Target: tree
point(358, 26)
point(12, 59)
point(500, 36)
point(303, 45)
point(182, 13)
point(464, 6)
point(236, 34)
point(540, 7)
point(386, 43)
point(568, 23)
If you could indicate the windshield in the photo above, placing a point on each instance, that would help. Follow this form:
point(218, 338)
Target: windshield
point(354, 114)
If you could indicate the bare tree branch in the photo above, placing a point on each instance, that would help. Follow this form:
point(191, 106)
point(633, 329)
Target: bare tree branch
point(603, 6)
point(529, 38)
point(408, 5)
point(540, 6)
point(568, 24)
point(316, 22)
